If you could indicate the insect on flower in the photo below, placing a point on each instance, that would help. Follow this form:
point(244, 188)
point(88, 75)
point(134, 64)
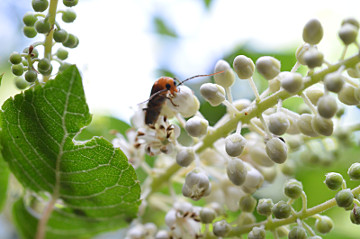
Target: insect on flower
point(164, 88)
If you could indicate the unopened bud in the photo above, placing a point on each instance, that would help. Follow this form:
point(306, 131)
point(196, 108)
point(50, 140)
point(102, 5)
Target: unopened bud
point(243, 66)
point(322, 126)
point(293, 189)
point(264, 206)
point(297, 233)
point(324, 224)
point(234, 144)
point(333, 180)
point(247, 203)
point(236, 171)
point(278, 123)
point(227, 78)
point(276, 150)
point(354, 171)
point(305, 126)
point(268, 67)
point(291, 82)
point(197, 185)
point(221, 228)
point(213, 93)
point(348, 33)
point(281, 210)
point(185, 156)
point(207, 215)
point(313, 58)
point(334, 81)
point(257, 233)
point(349, 95)
point(196, 126)
point(313, 32)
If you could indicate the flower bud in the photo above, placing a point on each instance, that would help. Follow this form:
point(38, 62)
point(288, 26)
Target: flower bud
point(236, 171)
point(15, 58)
point(348, 33)
point(314, 94)
point(355, 215)
point(333, 180)
point(264, 206)
point(186, 102)
point(291, 82)
point(254, 178)
point(207, 215)
point(276, 150)
point(241, 104)
point(344, 198)
point(247, 203)
point(322, 126)
point(349, 95)
point(268, 67)
point(281, 210)
point(162, 234)
point(293, 189)
point(288, 168)
point(221, 228)
point(257, 233)
point(227, 78)
point(324, 224)
point(313, 32)
point(305, 125)
point(185, 156)
point(234, 144)
point(300, 53)
point(278, 123)
point(353, 71)
point(213, 93)
point(351, 21)
point(197, 185)
point(354, 171)
point(258, 155)
point(327, 106)
point(243, 66)
point(196, 126)
point(313, 58)
point(297, 233)
point(334, 81)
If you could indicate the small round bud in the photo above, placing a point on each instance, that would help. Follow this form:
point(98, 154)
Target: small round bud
point(15, 58)
point(207, 215)
point(314, 94)
point(42, 26)
point(322, 126)
point(348, 33)
point(305, 126)
point(354, 72)
point(281, 210)
point(334, 81)
point(68, 16)
point(355, 215)
point(213, 93)
point(29, 32)
point(236, 171)
point(162, 234)
point(185, 156)
point(354, 171)
point(333, 180)
point(288, 168)
point(247, 203)
point(44, 65)
point(278, 123)
point(29, 19)
point(31, 75)
point(197, 185)
point(300, 53)
point(40, 5)
point(235, 144)
point(60, 35)
point(276, 150)
point(291, 82)
point(264, 206)
point(257, 233)
point(297, 233)
point(221, 228)
point(243, 66)
point(349, 95)
point(268, 67)
point(293, 189)
point(313, 58)
point(62, 54)
point(344, 198)
point(187, 104)
point(313, 32)
point(47, 72)
point(20, 83)
point(258, 155)
point(70, 3)
point(324, 224)
point(18, 69)
point(196, 126)
point(351, 21)
point(327, 106)
point(241, 104)
point(71, 41)
point(227, 78)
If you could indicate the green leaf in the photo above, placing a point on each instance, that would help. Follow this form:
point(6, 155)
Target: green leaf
point(4, 178)
point(94, 181)
point(163, 28)
point(1, 77)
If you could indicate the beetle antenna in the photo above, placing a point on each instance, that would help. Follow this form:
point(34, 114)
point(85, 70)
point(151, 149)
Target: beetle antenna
point(182, 82)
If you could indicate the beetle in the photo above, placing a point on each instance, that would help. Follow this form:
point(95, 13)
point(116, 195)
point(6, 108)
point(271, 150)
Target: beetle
point(164, 88)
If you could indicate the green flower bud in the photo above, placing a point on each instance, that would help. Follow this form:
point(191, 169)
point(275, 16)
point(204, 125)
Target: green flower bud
point(278, 123)
point(313, 32)
point(333, 180)
point(281, 210)
point(20, 83)
point(314, 94)
point(293, 189)
point(244, 67)
point(29, 19)
point(70, 3)
point(355, 215)
point(349, 95)
point(42, 26)
point(197, 185)
point(300, 53)
point(68, 16)
point(60, 35)
point(268, 67)
point(18, 69)
point(324, 224)
point(31, 75)
point(327, 106)
point(213, 93)
point(344, 198)
point(322, 126)
point(258, 155)
point(29, 32)
point(47, 72)
point(334, 81)
point(348, 33)
point(235, 144)
point(236, 171)
point(207, 215)
point(305, 126)
point(291, 82)
point(257, 233)
point(297, 233)
point(62, 54)
point(313, 58)
point(44, 65)
point(264, 206)
point(71, 41)
point(185, 156)
point(15, 58)
point(247, 203)
point(40, 5)
point(227, 78)
point(354, 171)
point(196, 126)
point(276, 150)
point(221, 228)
